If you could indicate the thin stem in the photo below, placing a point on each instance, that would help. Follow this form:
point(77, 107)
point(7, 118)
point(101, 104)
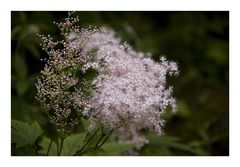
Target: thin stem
point(94, 148)
point(49, 146)
point(85, 151)
point(96, 145)
point(61, 146)
point(57, 146)
point(90, 138)
point(106, 138)
point(99, 140)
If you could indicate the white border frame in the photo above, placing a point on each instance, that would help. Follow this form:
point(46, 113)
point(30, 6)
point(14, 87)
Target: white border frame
point(106, 5)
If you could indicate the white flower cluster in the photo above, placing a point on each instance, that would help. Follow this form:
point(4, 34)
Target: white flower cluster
point(130, 91)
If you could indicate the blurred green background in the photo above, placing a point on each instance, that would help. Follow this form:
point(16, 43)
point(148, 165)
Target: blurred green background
point(198, 41)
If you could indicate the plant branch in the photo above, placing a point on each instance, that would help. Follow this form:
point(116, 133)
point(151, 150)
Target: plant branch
point(83, 147)
point(98, 146)
point(61, 146)
point(106, 138)
point(49, 146)
point(99, 140)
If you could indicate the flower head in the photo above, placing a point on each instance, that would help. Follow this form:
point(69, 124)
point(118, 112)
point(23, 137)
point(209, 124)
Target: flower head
point(131, 93)
point(127, 90)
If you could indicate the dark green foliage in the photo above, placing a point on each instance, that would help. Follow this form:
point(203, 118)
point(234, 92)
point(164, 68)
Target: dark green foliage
point(165, 145)
point(24, 134)
point(115, 148)
point(44, 144)
point(71, 144)
point(198, 41)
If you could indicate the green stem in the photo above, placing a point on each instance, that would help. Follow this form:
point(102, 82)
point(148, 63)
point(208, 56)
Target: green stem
point(97, 146)
point(106, 138)
point(49, 146)
point(99, 140)
point(83, 147)
point(85, 151)
point(61, 146)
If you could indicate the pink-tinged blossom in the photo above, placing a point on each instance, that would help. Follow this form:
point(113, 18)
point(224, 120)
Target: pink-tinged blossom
point(131, 93)
point(58, 90)
point(128, 94)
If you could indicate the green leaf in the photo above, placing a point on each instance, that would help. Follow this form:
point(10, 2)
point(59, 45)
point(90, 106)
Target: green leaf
point(170, 142)
point(20, 66)
point(95, 152)
point(72, 143)
point(85, 124)
point(21, 87)
point(115, 148)
point(45, 142)
point(16, 30)
point(24, 134)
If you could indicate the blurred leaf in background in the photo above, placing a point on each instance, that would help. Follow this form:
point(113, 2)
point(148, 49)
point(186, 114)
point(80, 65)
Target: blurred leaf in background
point(24, 134)
point(198, 41)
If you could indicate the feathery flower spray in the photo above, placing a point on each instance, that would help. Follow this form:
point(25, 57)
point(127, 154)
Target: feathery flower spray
point(95, 76)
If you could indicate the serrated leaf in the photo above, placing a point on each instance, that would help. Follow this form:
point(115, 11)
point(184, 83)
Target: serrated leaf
point(72, 143)
point(24, 134)
point(45, 142)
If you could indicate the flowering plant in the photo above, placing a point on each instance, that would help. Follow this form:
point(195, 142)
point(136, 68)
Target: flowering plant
point(92, 79)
